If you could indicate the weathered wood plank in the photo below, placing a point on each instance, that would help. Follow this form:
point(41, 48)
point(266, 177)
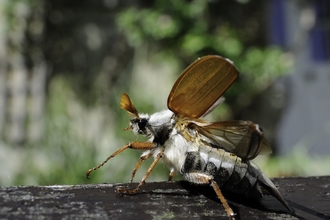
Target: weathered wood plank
point(310, 197)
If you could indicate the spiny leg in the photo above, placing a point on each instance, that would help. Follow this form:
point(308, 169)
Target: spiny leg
point(202, 178)
point(132, 145)
point(138, 164)
point(152, 166)
point(217, 190)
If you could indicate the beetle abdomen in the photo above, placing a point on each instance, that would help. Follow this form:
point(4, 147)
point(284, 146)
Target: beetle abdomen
point(231, 173)
point(228, 170)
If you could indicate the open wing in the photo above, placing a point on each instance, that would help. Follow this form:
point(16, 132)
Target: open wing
point(201, 85)
point(242, 138)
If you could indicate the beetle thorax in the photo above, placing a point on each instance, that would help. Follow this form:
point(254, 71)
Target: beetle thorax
point(155, 127)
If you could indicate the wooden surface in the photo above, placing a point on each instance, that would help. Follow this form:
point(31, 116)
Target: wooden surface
point(310, 197)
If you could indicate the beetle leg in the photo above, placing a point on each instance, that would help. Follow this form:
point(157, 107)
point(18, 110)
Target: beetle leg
point(217, 190)
point(201, 178)
point(170, 176)
point(138, 164)
point(152, 166)
point(133, 145)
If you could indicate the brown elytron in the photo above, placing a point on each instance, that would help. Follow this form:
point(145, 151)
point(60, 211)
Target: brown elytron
point(201, 85)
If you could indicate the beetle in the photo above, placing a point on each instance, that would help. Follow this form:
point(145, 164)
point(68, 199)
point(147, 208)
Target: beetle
point(215, 153)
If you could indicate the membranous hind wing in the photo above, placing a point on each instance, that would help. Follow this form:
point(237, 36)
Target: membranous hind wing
point(201, 85)
point(242, 138)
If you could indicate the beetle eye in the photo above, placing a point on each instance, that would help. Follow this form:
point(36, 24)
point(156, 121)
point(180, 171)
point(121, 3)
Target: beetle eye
point(142, 123)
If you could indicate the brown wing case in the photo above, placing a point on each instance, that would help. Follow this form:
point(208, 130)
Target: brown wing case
point(201, 85)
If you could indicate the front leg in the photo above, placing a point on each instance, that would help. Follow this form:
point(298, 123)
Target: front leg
point(133, 145)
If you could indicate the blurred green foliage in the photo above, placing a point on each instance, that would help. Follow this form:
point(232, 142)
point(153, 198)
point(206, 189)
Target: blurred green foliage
point(185, 30)
point(169, 31)
point(61, 157)
point(16, 9)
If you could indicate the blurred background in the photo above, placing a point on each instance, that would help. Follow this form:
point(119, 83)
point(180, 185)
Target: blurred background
point(64, 65)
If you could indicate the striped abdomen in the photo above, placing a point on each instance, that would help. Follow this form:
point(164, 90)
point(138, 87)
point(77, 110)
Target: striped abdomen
point(230, 173)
